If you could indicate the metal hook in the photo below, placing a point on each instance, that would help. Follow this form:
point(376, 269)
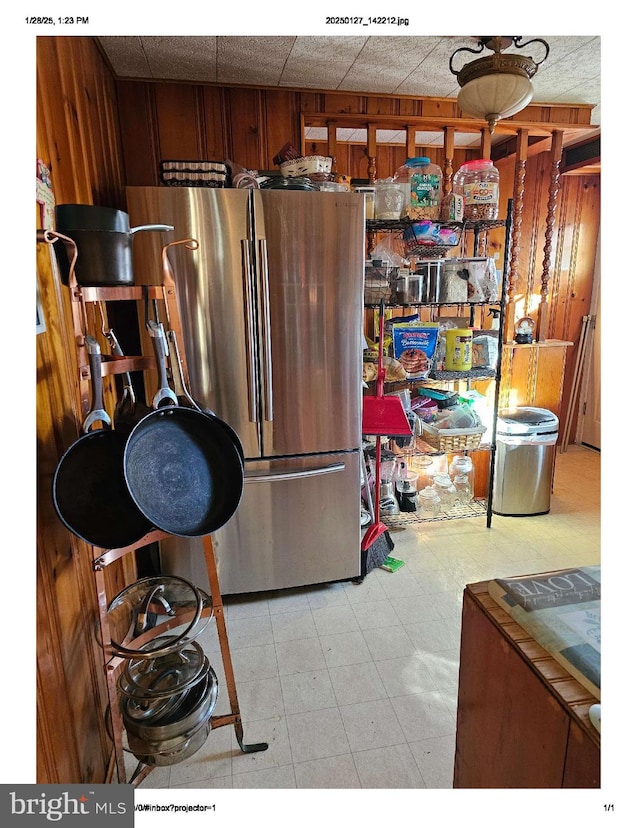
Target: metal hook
point(168, 280)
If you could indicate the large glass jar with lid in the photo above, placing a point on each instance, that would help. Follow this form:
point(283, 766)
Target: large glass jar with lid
point(462, 466)
point(478, 182)
point(421, 182)
point(443, 485)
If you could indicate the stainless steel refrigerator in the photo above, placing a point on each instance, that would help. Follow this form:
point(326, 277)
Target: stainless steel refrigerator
point(271, 306)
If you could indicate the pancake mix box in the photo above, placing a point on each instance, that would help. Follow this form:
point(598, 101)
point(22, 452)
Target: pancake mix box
point(414, 346)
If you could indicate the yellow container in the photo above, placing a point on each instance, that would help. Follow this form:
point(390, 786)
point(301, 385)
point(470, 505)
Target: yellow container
point(458, 351)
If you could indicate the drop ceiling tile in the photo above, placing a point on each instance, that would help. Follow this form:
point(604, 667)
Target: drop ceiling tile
point(255, 61)
point(391, 136)
point(430, 139)
point(432, 76)
point(126, 56)
point(316, 133)
point(384, 63)
point(349, 135)
point(466, 139)
point(320, 62)
point(181, 58)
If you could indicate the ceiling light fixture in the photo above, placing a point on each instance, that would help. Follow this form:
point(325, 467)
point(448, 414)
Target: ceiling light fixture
point(499, 85)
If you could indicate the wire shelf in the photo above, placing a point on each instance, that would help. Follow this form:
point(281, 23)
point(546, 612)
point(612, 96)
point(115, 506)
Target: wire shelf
point(477, 508)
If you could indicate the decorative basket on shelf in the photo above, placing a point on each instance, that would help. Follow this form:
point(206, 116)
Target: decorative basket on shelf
point(197, 173)
point(452, 439)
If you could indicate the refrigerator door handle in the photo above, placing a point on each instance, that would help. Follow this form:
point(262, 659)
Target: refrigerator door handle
point(267, 365)
point(249, 316)
point(293, 475)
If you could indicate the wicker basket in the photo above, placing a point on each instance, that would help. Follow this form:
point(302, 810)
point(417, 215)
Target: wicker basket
point(453, 439)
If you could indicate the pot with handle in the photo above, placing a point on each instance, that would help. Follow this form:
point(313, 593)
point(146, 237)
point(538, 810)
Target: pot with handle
point(182, 467)
point(104, 242)
point(90, 494)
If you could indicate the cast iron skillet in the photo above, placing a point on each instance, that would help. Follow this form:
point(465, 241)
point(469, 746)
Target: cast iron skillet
point(181, 466)
point(90, 494)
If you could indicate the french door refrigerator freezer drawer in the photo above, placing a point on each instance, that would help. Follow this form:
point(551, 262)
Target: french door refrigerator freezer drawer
point(298, 524)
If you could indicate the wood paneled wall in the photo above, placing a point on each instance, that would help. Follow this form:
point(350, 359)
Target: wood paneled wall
point(79, 141)
point(538, 376)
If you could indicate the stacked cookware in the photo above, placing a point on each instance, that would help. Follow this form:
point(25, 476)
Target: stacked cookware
point(167, 688)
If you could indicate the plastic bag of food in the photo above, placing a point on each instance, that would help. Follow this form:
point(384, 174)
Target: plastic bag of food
point(414, 346)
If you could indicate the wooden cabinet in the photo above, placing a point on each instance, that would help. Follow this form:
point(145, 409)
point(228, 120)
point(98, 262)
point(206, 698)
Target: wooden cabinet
point(523, 720)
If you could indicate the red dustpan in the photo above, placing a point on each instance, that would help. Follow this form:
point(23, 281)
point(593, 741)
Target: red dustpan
point(382, 416)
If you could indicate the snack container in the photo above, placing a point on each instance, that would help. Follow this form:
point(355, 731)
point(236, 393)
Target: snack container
point(478, 182)
point(422, 186)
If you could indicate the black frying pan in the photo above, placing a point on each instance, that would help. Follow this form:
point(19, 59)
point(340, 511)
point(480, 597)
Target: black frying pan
point(90, 494)
point(181, 466)
point(179, 385)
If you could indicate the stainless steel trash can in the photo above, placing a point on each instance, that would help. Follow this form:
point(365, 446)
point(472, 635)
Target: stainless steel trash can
point(525, 453)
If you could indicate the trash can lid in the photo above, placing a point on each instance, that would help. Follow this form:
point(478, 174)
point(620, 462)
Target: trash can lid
point(526, 420)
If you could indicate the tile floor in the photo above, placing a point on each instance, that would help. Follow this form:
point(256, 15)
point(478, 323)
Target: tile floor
point(355, 686)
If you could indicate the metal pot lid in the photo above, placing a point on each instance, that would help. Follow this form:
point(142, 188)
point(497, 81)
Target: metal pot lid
point(151, 710)
point(141, 612)
point(193, 708)
point(526, 420)
point(145, 679)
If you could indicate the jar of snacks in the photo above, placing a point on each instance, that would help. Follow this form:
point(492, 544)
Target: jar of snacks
point(421, 183)
point(478, 183)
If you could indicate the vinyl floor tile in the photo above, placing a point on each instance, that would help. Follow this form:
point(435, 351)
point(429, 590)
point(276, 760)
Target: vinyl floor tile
point(355, 685)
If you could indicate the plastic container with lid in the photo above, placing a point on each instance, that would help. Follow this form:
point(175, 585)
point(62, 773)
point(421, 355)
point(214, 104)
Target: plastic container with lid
point(421, 183)
point(478, 182)
point(458, 352)
point(389, 200)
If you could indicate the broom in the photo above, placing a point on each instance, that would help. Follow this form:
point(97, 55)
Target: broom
point(376, 543)
point(380, 416)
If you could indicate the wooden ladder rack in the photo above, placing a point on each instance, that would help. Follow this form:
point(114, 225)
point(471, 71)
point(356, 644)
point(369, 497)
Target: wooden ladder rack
point(101, 558)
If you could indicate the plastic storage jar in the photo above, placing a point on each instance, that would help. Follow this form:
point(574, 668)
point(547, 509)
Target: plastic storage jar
point(421, 182)
point(478, 182)
point(389, 200)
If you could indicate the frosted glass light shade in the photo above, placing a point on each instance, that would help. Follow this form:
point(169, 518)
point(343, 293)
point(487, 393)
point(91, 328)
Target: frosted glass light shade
point(497, 95)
